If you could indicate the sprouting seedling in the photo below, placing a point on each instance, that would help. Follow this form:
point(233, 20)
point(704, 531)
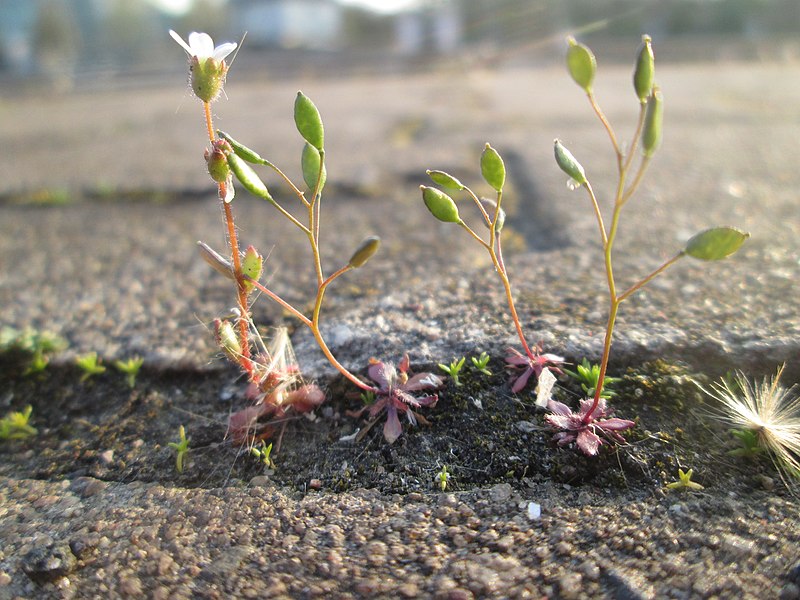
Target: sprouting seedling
point(227, 159)
point(443, 478)
point(712, 244)
point(35, 345)
point(480, 363)
point(454, 368)
point(684, 482)
point(749, 446)
point(262, 453)
point(181, 448)
point(130, 367)
point(765, 411)
point(444, 208)
point(587, 374)
point(90, 364)
point(16, 426)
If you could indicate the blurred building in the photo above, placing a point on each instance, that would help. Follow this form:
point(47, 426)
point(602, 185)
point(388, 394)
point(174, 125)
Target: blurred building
point(316, 24)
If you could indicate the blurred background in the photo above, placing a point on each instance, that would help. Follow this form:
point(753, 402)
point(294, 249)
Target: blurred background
point(65, 43)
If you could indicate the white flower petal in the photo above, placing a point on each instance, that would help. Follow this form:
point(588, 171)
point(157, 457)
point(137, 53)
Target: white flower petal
point(223, 50)
point(202, 45)
point(179, 39)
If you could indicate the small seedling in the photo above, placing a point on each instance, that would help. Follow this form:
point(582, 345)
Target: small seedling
point(31, 343)
point(90, 365)
point(749, 446)
point(480, 363)
point(368, 398)
point(262, 453)
point(588, 375)
point(684, 482)
point(454, 368)
point(443, 478)
point(181, 448)
point(131, 368)
point(16, 426)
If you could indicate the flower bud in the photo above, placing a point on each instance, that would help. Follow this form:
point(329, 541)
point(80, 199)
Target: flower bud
point(445, 180)
point(364, 251)
point(217, 164)
point(248, 178)
point(490, 206)
point(654, 116)
point(226, 339)
point(208, 77)
point(644, 74)
point(252, 266)
point(308, 121)
point(569, 164)
point(581, 64)
point(492, 168)
point(440, 204)
point(310, 162)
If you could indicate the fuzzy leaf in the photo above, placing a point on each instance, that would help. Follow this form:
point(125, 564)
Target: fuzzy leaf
point(716, 243)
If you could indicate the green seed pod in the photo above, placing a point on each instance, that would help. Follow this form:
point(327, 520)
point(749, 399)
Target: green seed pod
point(644, 73)
point(492, 168)
point(581, 64)
point(308, 121)
point(208, 77)
point(569, 164)
point(226, 339)
point(310, 162)
point(490, 206)
point(440, 204)
point(445, 180)
point(242, 151)
point(364, 251)
point(716, 243)
point(653, 119)
point(252, 266)
point(248, 178)
point(217, 165)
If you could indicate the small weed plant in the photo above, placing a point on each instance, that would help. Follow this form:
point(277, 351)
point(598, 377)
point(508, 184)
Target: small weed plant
point(90, 364)
point(275, 381)
point(454, 368)
point(181, 448)
point(130, 367)
point(717, 243)
point(33, 345)
point(16, 425)
point(684, 482)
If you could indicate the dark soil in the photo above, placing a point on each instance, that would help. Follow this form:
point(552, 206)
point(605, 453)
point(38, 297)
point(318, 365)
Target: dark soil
point(481, 432)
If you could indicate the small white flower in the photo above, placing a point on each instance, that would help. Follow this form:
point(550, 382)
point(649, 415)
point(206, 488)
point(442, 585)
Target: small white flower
point(201, 46)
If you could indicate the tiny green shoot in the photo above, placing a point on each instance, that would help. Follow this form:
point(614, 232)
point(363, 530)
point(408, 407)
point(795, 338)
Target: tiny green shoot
point(443, 477)
point(480, 363)
point(684, 482)
point(15, 425)
point(262, 453)
point(588, 374)
point(181, 448)
point(749, 446)
point(454, 368)
point(368, 397)
point(89, 363)
point(130, 367)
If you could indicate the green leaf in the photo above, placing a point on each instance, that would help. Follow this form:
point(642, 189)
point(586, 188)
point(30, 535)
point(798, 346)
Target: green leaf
point(308, 121)
point(445, 180)
point(492, 168)
point(581, 64)
point(440, 204)
point(311, 161)
point(716, 243)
